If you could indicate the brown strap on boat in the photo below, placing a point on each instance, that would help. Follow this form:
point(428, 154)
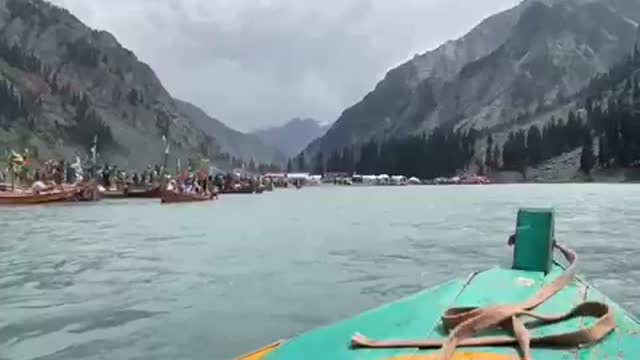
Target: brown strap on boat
point(464, 323)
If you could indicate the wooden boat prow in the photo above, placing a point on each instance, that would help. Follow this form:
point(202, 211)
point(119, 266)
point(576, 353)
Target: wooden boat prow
point(419, 317)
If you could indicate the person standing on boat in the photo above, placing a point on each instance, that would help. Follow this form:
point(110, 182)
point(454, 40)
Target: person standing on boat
point(106, 176)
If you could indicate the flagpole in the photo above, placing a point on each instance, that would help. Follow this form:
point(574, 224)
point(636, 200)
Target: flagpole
point(165, 162)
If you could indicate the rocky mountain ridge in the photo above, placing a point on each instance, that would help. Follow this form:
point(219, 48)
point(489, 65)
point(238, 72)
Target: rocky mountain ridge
point(521, 61)
point(70, 83)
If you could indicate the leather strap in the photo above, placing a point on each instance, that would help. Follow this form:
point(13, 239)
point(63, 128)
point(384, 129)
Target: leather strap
point(464, 323)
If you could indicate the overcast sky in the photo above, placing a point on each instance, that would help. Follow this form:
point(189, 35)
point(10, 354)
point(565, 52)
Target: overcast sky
point(256, 63)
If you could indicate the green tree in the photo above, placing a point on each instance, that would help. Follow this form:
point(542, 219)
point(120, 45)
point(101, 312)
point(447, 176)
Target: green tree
point(302, 166)
point(488, 158)
point(534, 145)
point(587, 157)
point(319, 165)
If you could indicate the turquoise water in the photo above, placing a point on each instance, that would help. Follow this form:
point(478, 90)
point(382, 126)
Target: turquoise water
point(140, 280)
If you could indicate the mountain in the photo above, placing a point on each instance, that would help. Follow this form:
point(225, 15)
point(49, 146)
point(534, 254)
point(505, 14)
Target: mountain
point(520, 61)
point(246, 146)
point(62, 83)
point(294, 136)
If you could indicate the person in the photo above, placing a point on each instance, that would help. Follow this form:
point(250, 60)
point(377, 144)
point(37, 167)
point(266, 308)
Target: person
point(39, 186)
point(70, 174)
point(106, 177)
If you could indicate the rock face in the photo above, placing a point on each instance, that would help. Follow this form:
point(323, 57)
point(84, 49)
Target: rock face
point(61, 84)
point(292, 137)
point(245, 146)
point(523, 60)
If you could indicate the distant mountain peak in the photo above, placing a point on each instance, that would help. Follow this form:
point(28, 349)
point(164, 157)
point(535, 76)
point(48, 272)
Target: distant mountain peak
point(293, 136)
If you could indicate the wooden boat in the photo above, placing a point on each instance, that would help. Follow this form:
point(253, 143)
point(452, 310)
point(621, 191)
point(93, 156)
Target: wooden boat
point(247, 190)
point(31, 198)
point(86, 193)
point(135, 193)
point(113, 194)
point(144, 193)
point(552, 315)
point(170, 197)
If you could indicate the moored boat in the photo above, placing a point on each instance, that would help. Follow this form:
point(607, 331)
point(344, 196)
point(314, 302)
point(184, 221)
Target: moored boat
point(536, 310)
point(86, 193)
point(169, 197)
point(135, 193)
point(144, 193)
point(113, 194)
point(32, 198)
point(246, 190)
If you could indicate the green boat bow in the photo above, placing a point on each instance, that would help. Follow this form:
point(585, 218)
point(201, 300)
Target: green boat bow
point(420, 316)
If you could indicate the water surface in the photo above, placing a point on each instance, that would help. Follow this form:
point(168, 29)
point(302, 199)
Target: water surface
point(140, 280)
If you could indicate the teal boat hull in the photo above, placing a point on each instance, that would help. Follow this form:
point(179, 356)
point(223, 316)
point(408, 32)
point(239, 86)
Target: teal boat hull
point(418, 317)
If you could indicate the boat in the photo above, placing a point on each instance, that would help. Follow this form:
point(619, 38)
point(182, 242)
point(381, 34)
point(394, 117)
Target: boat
point(135, 193)
point(32, 198)
point(87, 192)
point(170, 197)
point(536, 310)
point(113, 194)
point(246, 190)
point(144, 193)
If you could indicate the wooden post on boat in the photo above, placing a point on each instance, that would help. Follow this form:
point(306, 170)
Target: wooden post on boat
point(533, 250)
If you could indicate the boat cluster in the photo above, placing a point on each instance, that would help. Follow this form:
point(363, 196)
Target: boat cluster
point(59, 181)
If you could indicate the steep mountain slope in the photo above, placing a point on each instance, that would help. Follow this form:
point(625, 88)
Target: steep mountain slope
point(292, 137)
point(61, 84)
point(522, 60)
point(72, 83)
point(237, 144)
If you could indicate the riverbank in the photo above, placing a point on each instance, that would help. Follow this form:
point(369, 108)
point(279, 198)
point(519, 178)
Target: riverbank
point(565, 169)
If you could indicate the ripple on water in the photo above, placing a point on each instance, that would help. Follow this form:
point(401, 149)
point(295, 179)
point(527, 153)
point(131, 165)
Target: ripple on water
point(137, 280)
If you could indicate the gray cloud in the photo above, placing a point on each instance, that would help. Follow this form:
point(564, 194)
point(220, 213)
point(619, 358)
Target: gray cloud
point(255, 63)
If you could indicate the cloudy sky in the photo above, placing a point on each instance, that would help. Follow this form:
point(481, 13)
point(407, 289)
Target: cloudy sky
point(256, 63)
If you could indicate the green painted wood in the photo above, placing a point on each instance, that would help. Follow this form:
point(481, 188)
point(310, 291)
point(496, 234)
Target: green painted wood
point(418, 317)
point(623, 343)
point(502, 286)
point(534, 240)
point(410, 318)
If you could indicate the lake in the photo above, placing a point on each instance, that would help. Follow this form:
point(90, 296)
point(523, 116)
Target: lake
point(141, 280)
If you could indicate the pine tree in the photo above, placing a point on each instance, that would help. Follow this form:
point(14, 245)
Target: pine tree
point(603, 156)
point(587, 158)
point(301, 163)
point(496, 156)
point(289, 166)
point(488, 158)
point(535, 152)
point(318, 166)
